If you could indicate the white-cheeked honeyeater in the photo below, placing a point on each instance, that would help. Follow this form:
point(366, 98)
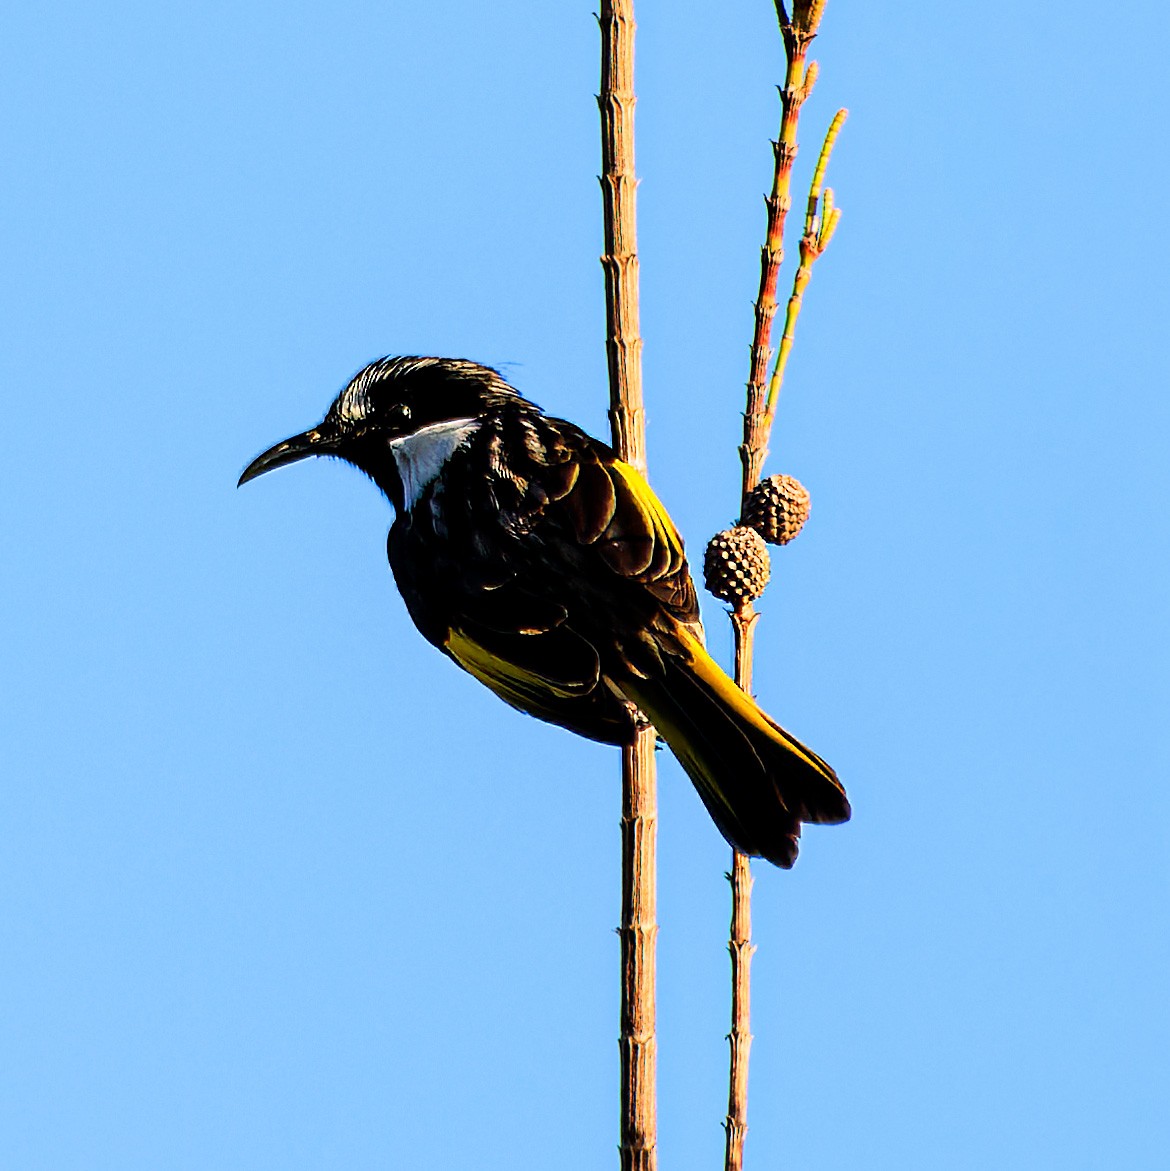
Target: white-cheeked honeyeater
point(547, 568)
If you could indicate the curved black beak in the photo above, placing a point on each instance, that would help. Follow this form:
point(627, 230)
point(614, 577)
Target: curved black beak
point(301, 446)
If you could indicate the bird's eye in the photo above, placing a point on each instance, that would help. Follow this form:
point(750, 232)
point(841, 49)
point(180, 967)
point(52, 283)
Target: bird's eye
point(402, 412)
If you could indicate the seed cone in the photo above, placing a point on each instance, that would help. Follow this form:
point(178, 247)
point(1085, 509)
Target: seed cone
point(777, 509)
point(737, 566)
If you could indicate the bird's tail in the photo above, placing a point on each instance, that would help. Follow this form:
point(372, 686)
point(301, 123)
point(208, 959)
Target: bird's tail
point(758, 782)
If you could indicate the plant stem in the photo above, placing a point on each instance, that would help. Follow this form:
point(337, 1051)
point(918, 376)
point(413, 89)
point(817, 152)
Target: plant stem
point(638, 931)
point(818, 231)
point(798, 32)
point(798, 83)
point(623, 342)
point(743, 620)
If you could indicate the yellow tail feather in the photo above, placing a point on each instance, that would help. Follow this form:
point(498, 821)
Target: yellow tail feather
point(758, 782)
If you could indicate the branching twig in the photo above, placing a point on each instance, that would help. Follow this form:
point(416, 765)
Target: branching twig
point(623, 342)
point(799, 80)
point(798, 31)
point(820, 222)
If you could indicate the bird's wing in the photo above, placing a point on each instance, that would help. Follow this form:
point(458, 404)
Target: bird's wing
point(555, 676)
point(541, 563)
point(619, 526)
point(484, 614)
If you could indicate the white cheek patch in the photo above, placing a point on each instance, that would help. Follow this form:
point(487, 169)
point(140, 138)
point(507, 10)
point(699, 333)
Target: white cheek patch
point(420, 457)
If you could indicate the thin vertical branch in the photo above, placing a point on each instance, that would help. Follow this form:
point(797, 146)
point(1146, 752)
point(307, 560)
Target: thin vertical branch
point(639, 931)
point(740, 943)
point(623, 343)
point(799, 80)
point(798, 31)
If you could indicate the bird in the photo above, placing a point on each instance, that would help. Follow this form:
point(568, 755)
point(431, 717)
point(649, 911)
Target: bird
point(548, 569)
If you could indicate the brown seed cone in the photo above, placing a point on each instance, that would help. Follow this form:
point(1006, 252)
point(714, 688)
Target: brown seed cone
point(778, 508)
point(737, 566)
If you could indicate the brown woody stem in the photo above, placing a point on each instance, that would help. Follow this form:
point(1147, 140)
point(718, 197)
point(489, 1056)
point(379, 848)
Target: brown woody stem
point(798, 82)
point(623, 341)
point(623, 344)
point(743, 620)
point(798, 31)
point(639, 934)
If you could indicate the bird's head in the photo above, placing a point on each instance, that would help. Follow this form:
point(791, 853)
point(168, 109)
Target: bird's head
point(390, 400)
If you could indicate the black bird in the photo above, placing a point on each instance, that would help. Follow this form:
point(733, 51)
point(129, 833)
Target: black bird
point(546, 567)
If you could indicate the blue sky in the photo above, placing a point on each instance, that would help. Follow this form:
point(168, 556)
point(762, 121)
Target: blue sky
point(280, 888)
